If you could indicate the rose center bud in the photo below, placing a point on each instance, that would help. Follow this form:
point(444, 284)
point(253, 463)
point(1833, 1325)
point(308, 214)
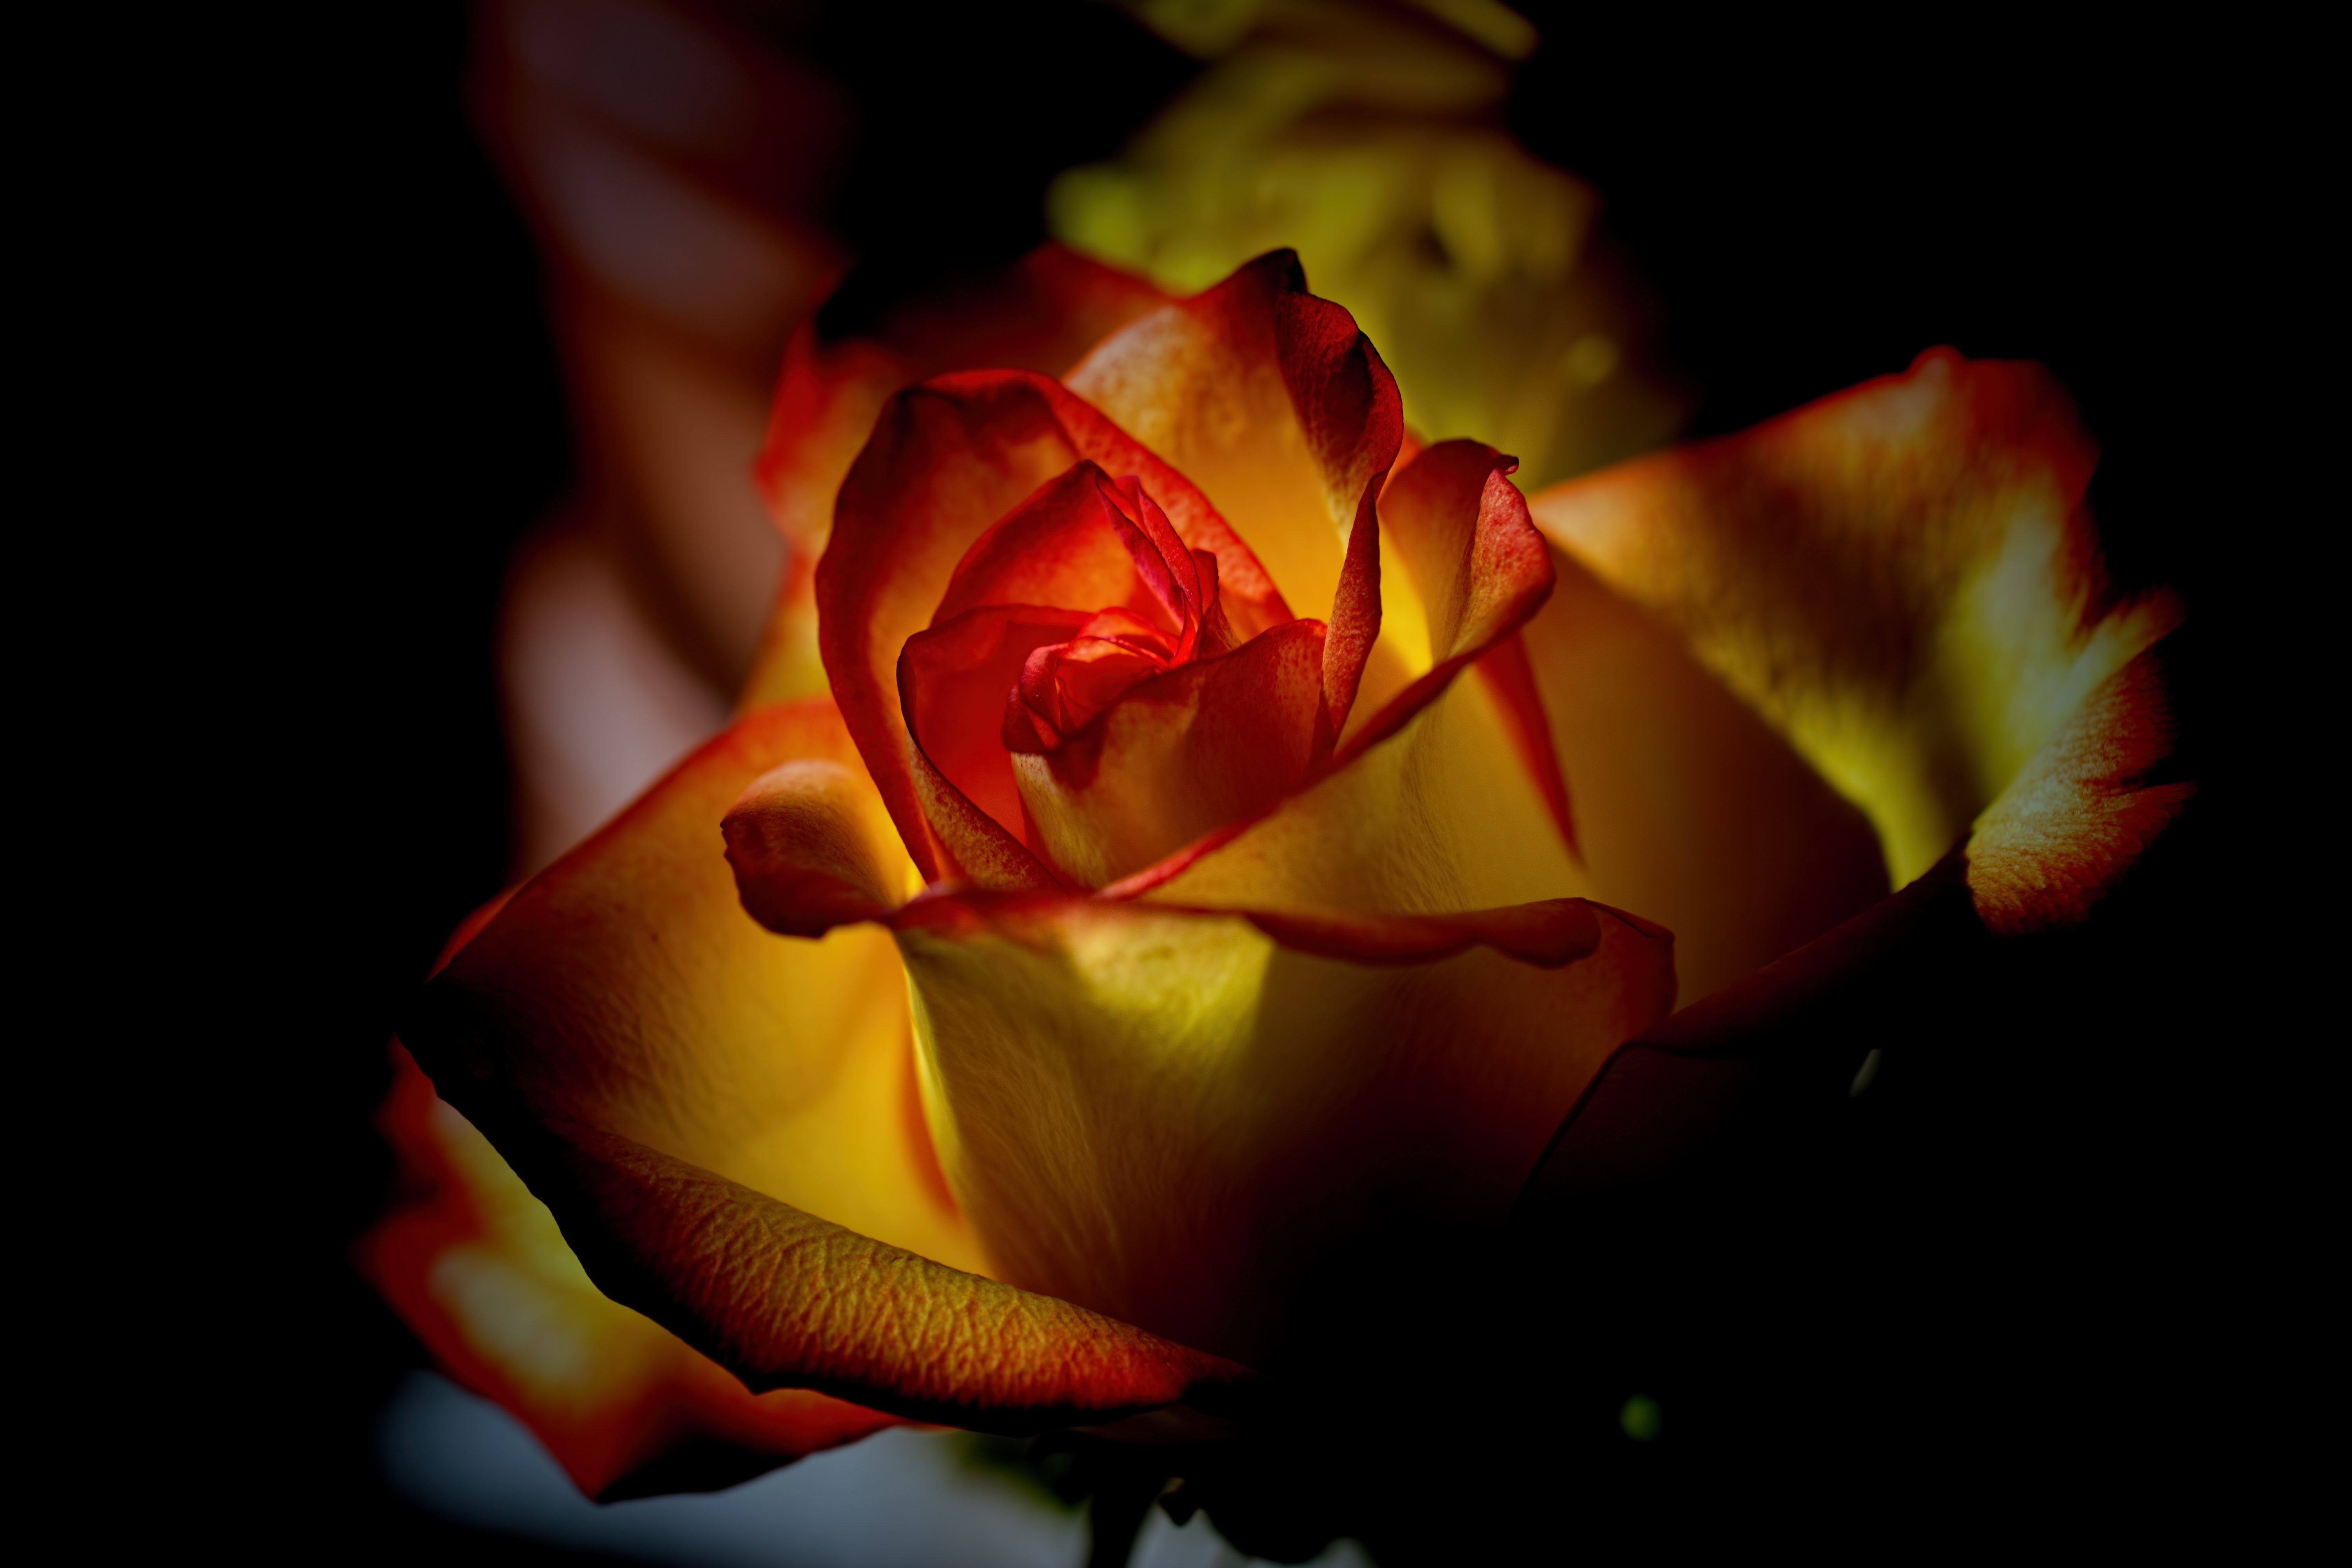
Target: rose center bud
point(1133, 724)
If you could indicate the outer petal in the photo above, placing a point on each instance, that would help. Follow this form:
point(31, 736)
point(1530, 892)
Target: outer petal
point(624, 988)
point(1042, 314)
point(1166, 1114)
point(689, 1095)
point(476, 1267)
point(2080, 813)
point(1901, 579)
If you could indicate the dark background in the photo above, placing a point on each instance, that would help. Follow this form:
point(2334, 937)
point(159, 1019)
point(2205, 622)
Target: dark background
point(2052, 1253)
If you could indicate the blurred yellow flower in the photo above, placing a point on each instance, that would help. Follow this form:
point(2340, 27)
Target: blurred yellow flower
point(1369, 137)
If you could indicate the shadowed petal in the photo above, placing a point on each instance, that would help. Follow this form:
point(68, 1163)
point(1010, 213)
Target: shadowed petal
point(1690, 807)
point(689, 1094)
point(1902, 579)
point(1166, 1114)
point(476, 1267)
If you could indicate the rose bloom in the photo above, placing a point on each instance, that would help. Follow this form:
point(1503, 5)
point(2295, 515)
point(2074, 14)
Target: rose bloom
point(1181, 826)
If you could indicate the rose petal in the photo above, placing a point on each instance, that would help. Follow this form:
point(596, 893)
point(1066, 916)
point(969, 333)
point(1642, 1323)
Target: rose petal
point(476, 1267)
point(1476, 570)
point(2079, 814)
point(946, 460)
point(1902, 579)
point(1041, 313)
point(953, 681)
point(626, 988)
point(782, 1299)
point(689, 1094)
point(808, 850)
point(1440, 816)
point(1166, 1114)
point(1689, 807)
point(1072, 545)
point(1179, 755)
point(1779, 1045)
point(1278, 409)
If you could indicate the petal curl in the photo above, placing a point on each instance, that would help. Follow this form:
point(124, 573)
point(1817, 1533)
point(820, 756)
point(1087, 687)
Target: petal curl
point(476, 1267)
point(728, 1127)
point(1902, 579)
point(1165, 1114)
point(953, 681)
point(1281, 411)
point(2073, 820)
point(1476, 570)
point(946, 460)
point(624, 988)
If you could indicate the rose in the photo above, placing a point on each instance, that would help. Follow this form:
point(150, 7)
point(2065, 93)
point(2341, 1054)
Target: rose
point(540, 1031)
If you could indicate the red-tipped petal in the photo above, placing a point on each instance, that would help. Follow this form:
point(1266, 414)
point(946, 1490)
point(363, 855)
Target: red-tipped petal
point(1204, 383)
point(2072, 823)
point(804, 844)
point(953, 682)
point(476, 1267)
point(1903, 579)
point(688, 1095)
point(946, 460)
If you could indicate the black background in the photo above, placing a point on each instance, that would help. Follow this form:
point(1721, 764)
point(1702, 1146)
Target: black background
point(2060, 1323)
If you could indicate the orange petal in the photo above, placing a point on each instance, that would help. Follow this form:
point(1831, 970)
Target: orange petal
point(476, 1267)
point(803, 841)
point(625, 987)
point(728, 1125)
point(1167, 1114)
point(1901, 579)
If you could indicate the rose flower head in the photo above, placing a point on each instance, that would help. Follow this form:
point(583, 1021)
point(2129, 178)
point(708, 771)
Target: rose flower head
point(1182, 826)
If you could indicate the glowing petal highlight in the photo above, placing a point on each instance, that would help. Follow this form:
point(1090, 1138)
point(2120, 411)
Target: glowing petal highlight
point(1167, 1114)
point(1902, 579)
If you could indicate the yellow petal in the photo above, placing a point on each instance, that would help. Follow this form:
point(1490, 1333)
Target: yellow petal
point(1167, 1114)
point(1688, 806)
point(1901, 579)
point(629, 990)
